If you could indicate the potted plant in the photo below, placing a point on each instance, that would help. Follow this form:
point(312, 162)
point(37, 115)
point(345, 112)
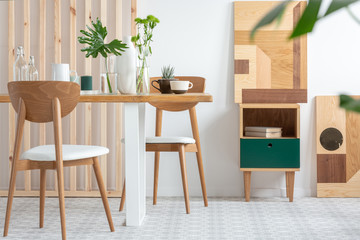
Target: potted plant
point(166, 78)
point(142, 43)
point(95, 39)
point(167, 73)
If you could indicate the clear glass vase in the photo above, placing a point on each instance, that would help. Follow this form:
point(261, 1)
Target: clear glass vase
point(142, 80)
point(142, 72)
point(108, 83)
point(108, 76)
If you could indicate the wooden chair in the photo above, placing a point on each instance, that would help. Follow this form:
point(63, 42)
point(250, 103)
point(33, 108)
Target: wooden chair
point(49, 101)
point(159, 144)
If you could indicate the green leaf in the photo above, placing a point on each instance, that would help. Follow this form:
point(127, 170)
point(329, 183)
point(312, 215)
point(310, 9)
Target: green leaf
point(115, 47)
point(308, 19)
point(94, 38)
point(349, 103)
point(338, 4)
point(354, 17)
point(144, 37)
point(270, 17)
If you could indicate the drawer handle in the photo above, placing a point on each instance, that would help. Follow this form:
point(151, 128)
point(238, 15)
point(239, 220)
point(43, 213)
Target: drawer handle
point(269, 145)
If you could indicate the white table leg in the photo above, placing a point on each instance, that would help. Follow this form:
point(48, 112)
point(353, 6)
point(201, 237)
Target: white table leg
point(135, 163)
point(142, 150)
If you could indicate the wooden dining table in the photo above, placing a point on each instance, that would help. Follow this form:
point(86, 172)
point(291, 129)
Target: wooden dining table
point(134, 138)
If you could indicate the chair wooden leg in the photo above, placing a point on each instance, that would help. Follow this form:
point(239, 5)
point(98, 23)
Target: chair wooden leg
point(156, 176)
point(60, 178)
point(195, 130)
point(202, 177)
point(19, 132)
point(42, 196)
point(102, 189)
point(123, 196)
point(247, 183)
point(184, 177)
point(10, 199)
point(291, 179)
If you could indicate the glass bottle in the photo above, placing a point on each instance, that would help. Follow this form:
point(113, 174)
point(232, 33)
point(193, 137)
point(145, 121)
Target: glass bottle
point(20, 65)
point(32, 73)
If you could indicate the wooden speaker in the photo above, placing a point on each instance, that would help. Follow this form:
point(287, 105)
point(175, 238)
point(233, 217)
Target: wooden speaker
point(338, 149)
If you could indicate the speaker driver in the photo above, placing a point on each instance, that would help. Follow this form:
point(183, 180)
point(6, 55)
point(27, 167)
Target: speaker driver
point(331, 139)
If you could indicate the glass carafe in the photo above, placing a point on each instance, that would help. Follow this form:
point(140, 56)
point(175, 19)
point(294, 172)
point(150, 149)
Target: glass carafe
point(20, 65)
point(32, 72)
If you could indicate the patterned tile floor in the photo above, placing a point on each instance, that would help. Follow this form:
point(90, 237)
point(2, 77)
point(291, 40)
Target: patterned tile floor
point(225, 218)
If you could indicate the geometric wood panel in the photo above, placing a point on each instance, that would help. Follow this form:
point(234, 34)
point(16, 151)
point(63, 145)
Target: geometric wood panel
point(288, 58)
point(352, 144)
point(252, 69)
point(329, 115)
point(276, 46)
point(338, 149)
point(241, 66)
point(331, 168)
point(247, 13)
point(274, 95)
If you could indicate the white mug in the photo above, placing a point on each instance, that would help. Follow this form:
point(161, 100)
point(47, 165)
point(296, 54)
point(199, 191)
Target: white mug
point(180, 86)
point(61, 72)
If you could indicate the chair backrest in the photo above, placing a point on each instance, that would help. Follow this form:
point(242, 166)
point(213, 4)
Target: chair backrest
point(38, 97)
point(198, 87)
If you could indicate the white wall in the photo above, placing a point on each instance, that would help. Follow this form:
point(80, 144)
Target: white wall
point(196, 36)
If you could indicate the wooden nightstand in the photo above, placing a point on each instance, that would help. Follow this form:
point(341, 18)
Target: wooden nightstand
point(270, 154)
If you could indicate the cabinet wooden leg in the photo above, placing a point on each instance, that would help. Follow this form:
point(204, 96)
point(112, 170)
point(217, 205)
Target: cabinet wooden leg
point(247, 183)
point(291, 181)
point(287, 183)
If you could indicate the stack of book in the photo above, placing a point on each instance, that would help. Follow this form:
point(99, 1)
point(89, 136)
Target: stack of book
point(267, 132)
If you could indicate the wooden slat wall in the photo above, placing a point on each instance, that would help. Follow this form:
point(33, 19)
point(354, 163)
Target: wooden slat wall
point(74, 190)
point(133, 16)
point(42, 65)
point(118, 110)
point(103, 106)
point(88, 117)
point(73, 66)
point(11, 58)
point(57, 47)
point(27, 177)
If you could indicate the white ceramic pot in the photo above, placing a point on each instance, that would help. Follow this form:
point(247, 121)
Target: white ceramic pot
point(126, 68)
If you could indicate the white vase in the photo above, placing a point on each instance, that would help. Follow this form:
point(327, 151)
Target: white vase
point(126, 68)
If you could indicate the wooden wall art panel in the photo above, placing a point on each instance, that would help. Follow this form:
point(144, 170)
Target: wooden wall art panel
point(107, 8)
point(286, 59)
point(254, 71)
point(338, 149)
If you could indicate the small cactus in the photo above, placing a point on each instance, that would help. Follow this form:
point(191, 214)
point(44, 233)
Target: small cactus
point(167, 72)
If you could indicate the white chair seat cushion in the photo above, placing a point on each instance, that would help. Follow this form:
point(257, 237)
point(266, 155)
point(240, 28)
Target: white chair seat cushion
point(183, 140)
point(70, 152)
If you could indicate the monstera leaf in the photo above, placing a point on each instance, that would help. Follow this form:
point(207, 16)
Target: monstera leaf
point(95, 38)
point(350, 104)
point(307, 20)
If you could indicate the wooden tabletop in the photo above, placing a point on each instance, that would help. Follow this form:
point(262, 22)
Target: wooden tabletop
point(152, 97)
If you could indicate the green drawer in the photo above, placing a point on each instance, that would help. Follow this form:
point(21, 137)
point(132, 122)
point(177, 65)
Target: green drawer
point(270, 153)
